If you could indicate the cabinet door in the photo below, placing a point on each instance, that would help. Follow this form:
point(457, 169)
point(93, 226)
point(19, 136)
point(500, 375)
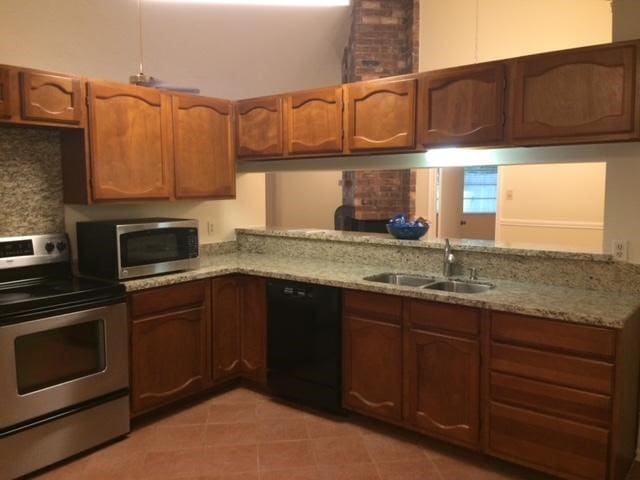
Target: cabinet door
point(5, 93)
point(130, 141)
point(442, 385)
point(372, 367)
point(254, 329)
point(576, 96)
point(381, 115)
point(315, 121)
point(168, 358)
point(50, 98)
point(226, 309)
point(203, 148)
point(463, 107)
point(260, 127)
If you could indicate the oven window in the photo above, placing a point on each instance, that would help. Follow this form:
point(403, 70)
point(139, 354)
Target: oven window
point(155, 246)
point(58, 355)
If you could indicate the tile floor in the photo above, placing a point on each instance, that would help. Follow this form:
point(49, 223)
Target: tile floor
point(245, 435)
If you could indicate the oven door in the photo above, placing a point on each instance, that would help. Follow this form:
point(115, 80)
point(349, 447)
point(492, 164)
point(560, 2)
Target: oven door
point(165, 247)
point(52, 363)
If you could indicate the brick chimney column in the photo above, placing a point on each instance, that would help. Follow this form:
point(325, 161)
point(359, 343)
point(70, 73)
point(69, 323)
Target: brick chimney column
point(383, 42)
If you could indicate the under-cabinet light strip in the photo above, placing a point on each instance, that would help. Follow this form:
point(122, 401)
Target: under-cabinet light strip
point(274, 3)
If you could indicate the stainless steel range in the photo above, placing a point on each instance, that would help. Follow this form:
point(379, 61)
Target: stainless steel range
point(63, 357)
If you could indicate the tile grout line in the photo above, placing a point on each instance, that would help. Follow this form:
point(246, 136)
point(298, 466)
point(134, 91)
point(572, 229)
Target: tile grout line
point(435, 467)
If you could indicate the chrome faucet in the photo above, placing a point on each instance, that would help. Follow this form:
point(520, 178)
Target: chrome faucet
point(448, 259)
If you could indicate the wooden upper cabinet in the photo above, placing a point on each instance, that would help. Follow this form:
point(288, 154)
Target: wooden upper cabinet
point(462, 107)
point(51, 98)
point(442, 386)
point(314, 121)
point(5, 93)
point(381, 115)
point(260, 130)
point(226, 332)
point(130, 142)
point(203, 148)
point(579, 96)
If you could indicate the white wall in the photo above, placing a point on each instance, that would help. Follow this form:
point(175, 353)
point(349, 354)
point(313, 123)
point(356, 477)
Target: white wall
point(304, 199)
point(563, 207)
point(455, 32)
point(226, 51)
point(623, 175)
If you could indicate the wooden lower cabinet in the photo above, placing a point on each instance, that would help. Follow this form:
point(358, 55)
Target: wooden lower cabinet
point(226, 297)
point(566, 448)
point(553, 396)
point(253, 329)
point(187, 337)
point(373, 367)
point(170, 348)
point(557, 397)
point(239, 328)
point(442, 370)
point(442, 385)
point(563, 398)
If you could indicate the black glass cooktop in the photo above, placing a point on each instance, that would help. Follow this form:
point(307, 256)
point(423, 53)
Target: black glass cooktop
point(29, 297)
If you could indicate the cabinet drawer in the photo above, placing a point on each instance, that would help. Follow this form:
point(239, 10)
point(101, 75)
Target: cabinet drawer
point(591, 375)
point(551, 443)
point(562, 401)
point(442, 316)
point(539, 332)
point(373, 305)
point(167, 298)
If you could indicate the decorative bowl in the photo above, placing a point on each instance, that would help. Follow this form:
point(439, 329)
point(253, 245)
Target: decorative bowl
point(407, 231)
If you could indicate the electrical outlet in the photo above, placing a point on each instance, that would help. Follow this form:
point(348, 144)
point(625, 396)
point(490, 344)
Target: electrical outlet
point(210, 228)
point(620, 250)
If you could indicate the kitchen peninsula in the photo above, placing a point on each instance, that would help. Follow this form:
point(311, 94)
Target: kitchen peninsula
point(546, 358)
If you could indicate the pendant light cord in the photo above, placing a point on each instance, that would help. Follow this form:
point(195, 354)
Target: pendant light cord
point(140, 42)
point(477, 33)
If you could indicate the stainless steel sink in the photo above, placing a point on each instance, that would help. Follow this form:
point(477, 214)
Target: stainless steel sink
point(459, 286)
point(402, 279)
point(430, 283)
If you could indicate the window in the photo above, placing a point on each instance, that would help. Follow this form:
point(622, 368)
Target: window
point(480, 186)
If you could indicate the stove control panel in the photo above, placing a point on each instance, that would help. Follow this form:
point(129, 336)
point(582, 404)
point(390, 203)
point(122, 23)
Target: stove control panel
point(33, 250)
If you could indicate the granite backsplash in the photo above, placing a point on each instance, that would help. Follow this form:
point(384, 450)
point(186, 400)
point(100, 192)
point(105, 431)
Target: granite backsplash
point(30, 182)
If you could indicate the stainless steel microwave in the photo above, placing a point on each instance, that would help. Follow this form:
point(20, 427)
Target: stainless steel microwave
point(124, 249)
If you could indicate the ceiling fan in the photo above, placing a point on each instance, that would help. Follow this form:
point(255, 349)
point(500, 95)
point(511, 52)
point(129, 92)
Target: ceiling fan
point(144, 80)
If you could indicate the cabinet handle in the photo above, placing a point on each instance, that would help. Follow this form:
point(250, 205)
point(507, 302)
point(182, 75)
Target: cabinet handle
point(371, 404)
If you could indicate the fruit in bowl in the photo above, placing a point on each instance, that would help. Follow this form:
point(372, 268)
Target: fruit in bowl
point(403, 230)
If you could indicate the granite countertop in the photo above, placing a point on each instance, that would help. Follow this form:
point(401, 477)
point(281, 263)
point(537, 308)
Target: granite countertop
point(471, 245)
point(583, 306)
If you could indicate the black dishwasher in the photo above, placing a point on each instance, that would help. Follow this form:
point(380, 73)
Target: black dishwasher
point(304, 339)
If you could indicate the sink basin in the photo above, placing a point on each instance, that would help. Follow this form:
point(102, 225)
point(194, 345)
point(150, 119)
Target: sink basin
point(459, 286)
point(402, 279)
